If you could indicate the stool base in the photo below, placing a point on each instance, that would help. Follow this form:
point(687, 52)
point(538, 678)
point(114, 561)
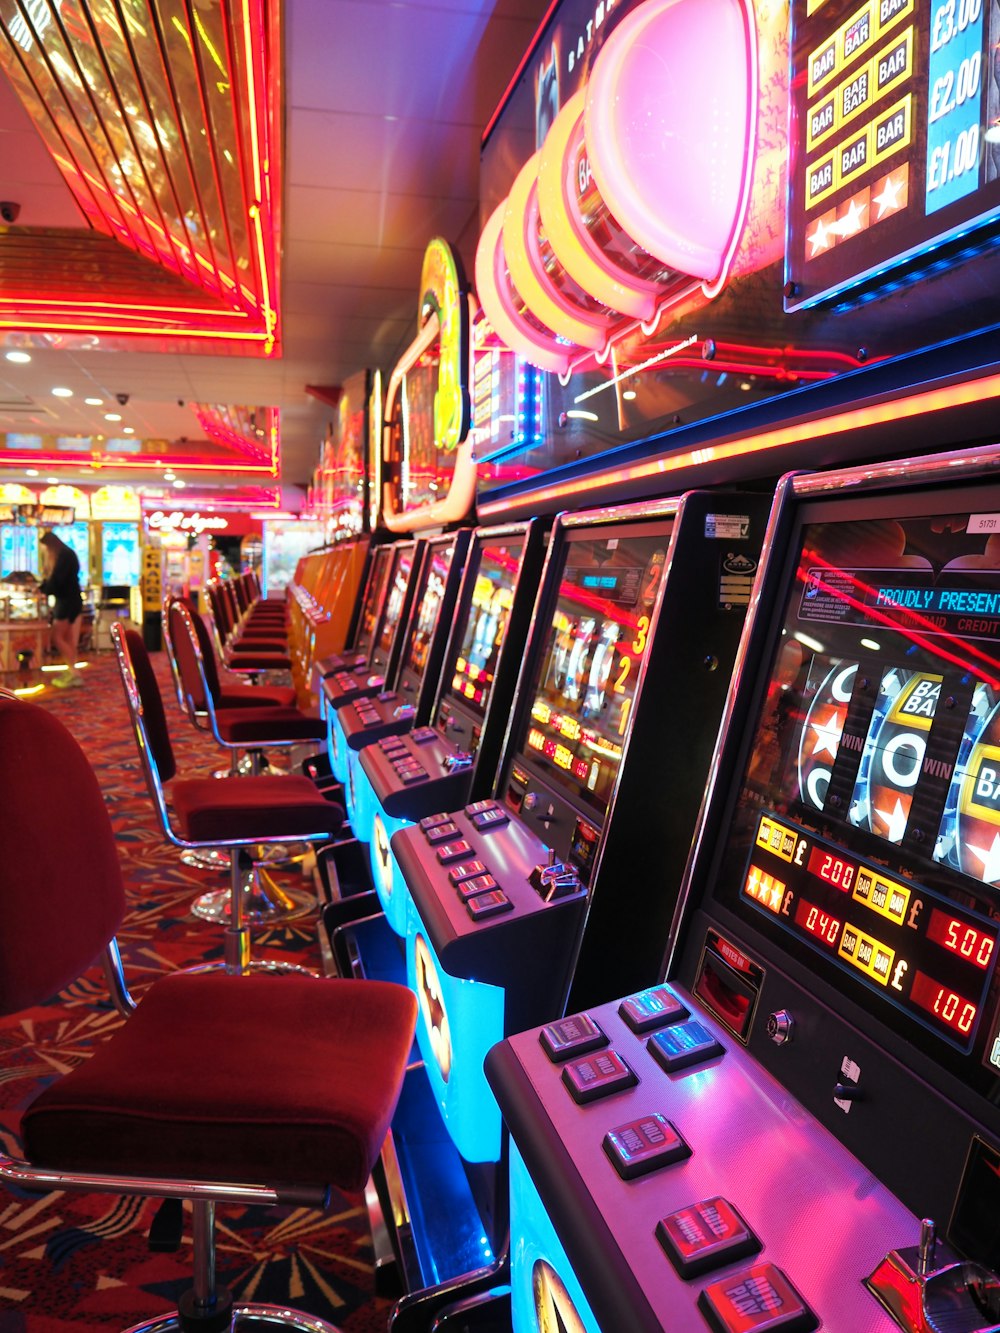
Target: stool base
point(247, 1318)
point(265, 903)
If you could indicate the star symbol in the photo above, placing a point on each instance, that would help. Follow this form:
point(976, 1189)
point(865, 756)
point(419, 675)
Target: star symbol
point(820, 239)
point(888, 201)
point(753, 882)
point(828, 734)
point(853, 219)
point(894, 820)
point(990, 858)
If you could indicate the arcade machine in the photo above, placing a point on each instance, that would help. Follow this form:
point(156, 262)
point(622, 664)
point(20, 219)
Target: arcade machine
point(405, 701)
point(362, 679)
point(453, 759)
point(364, 622)
point(604, 762)
point(799, 1128)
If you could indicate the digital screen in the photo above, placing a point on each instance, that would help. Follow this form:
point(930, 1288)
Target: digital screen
point(868, 828)
point(19, 550)
point(592, 659)
point(486, 624)
point(894, 108)
point(430, 595)
point(77, 536)
point(400, 581)
point(120, 554)
point(378, 580)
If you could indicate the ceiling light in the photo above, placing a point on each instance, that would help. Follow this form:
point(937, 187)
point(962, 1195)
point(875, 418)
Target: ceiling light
point(19, 358)
point(31, 472)
point(628, 395)
point(179, 484)
point(128, 430)
point(94, 402)
point(62, 392)
point(168, 475)
point(112, 416)
point(52, 481)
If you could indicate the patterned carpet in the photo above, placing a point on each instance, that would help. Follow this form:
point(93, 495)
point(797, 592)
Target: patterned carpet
point(73, 1263)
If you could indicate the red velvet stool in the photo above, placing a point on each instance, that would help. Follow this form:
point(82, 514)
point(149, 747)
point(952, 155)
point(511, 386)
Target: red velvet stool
point(250, 658)
point(219, 1089)
point(239, 814)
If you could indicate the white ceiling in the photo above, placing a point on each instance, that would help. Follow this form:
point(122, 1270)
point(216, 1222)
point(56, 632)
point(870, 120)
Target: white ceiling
point(385, 103)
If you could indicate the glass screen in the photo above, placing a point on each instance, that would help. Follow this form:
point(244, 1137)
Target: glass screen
point(486, 624)
point(374, 593)
point(868, 826)
point(430, 594)
point(77, 536)
point(120, 555)
point(402, 568)
point(593, 653)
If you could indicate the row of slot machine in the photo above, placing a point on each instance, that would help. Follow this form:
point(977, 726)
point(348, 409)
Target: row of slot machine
point(699, 905)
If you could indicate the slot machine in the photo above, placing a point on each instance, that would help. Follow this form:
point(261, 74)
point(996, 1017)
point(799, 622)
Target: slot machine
point(385, 613)
point(453, 759)
point(365, 621)
point(637, 618)
point(405, 700)
point(798, 1128)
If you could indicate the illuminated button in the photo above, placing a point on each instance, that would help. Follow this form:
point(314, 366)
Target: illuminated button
point(453, 851)
point(705, 1235)
point(652, 1009)
point(434, 821)
point(597, 1076)
point(392, 745)
point(686, 1044)
point(386, 696)
point(571, 1036)
point(440, 832)
point(480, 807)
point(423, 735)
point(466, 870)
point(403, 712)
point(757, 1300)
point(644, 1145)
point(468, 888)
point(487, 819)
point(410, 775)
point(488, 904)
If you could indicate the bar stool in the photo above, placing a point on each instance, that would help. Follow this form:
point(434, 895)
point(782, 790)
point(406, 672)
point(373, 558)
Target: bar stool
point(238, 814)
point(220, 1090)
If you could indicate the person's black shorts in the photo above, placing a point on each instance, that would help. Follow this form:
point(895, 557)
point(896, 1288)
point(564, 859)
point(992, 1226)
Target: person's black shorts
point(68, 608)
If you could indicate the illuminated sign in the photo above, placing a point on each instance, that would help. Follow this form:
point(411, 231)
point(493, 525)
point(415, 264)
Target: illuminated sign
point(115, 502)
point(889, 157)
point(177, 521)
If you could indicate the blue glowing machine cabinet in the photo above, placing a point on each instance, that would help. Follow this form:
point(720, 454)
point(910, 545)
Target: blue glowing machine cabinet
point(453, 760)
point(624, 681)
point(800, 1127)
point(356, 682)
point(365, 621)
point(406, 700)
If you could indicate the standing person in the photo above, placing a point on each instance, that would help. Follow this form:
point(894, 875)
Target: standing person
point(62, 581)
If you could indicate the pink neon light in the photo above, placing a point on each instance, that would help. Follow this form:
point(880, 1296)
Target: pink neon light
point(668, 125)
point(504, 309)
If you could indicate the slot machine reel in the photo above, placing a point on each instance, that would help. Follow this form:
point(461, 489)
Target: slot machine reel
point(925, 1295)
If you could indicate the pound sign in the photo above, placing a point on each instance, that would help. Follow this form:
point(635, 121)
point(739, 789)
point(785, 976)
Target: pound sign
point(897, 976)
point(915, 911)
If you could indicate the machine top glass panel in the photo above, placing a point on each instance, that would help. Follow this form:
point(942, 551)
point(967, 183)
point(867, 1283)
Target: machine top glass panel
point(582, 694)
point(866, 838)
point(485, 624)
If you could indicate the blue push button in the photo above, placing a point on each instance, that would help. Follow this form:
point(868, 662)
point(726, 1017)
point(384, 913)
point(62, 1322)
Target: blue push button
point(488, 819)
point(652, 1009)
point(571, 1036)
point(683, 1045)
point(597, 1076)
point(644, 1145)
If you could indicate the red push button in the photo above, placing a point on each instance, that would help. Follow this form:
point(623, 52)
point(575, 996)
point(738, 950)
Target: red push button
point(597, 1076)
point(644, 1145)
point(453, 851)
point(757, 1300)
point(704, 1236)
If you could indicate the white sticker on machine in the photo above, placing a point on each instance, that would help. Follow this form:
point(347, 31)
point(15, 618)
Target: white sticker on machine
point(736, 579)
point(984, 523)
point(727, 527)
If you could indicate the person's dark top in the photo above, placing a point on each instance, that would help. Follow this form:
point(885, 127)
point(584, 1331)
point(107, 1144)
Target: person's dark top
point(64, 585)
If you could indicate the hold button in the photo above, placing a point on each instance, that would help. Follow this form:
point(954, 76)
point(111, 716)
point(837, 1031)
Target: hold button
point(705, 1235)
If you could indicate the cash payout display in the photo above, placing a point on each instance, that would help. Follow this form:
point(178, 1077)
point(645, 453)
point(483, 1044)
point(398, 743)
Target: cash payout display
point(453, 759)
point(406, 700)
point(637, 621)
point(799, 1127)
point(343, 686)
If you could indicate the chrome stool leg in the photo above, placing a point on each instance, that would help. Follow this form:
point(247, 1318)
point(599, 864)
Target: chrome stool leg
point(263, 902)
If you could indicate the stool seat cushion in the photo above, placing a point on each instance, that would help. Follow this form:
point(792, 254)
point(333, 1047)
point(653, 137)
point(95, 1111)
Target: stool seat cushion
point(294, 1080)
point(258, 661)
point(256, 696)
point(224, 810)
point(259, 726)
